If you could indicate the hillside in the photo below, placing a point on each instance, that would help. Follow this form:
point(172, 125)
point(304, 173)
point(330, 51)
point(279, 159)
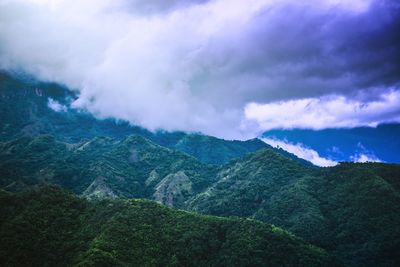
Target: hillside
point(104, 167)
point(49, 227)
point(352, 210)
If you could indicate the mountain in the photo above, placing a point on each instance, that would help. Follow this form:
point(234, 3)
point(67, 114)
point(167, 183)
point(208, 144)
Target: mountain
point(25, 109)
point(132, 167)
point(351, 210)
point(246, 185)
point(50, 227)
point(213, 150)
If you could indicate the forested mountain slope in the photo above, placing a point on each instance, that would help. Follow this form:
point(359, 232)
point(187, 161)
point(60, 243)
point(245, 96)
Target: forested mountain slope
point(49, 227)
point(104, 167)
point(351, 210)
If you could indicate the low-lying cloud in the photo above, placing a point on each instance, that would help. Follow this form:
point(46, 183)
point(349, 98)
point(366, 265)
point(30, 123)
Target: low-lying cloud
point(56, 106)
point(213, 66)
point(364, 155)
point(301, 151)
point(362, 158)
point(304, 152)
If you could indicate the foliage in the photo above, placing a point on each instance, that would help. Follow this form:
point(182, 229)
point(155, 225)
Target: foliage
point(50, 227)
point(352, 210)
point(133, 167)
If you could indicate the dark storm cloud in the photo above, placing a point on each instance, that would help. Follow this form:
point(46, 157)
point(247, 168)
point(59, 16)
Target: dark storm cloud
point(292, 52)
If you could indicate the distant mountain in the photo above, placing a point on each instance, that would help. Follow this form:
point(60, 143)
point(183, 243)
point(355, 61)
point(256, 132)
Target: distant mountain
point(24, 105)
point(49, 227)
point(213, 150)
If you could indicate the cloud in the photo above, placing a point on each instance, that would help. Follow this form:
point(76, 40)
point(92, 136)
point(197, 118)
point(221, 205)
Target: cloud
point(309, 154)
point(301, 151)
point(197, 65)
point(365, 158)
point(326, 112)
point(56, 106)
point(364, 155)
point(155, 7)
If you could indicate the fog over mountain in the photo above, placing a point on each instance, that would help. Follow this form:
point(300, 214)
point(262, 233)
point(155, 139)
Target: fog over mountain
point(232, 69)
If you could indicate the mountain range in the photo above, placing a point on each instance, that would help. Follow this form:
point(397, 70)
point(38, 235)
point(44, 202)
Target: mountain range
point(344, 215)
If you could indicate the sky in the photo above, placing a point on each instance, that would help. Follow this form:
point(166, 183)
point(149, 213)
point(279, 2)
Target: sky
point(329, 146)
point(231, 69)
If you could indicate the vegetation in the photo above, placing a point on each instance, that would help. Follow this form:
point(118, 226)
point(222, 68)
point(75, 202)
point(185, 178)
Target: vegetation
point(351, 210)
point(133, 167)
point(50, 227)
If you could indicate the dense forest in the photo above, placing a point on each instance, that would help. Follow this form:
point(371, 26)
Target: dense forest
point(51, 227)
point(351, 211)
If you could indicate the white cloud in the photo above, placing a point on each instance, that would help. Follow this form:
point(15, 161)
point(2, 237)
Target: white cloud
point(326, 112)
point(365, 158)
point(126, 65)
point(56, 106)
point(194, 65)
point(301, 151)
point(364, 155)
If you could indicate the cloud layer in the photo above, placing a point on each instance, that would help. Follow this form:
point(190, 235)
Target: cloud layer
point(326, 112)
point(213, 66)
